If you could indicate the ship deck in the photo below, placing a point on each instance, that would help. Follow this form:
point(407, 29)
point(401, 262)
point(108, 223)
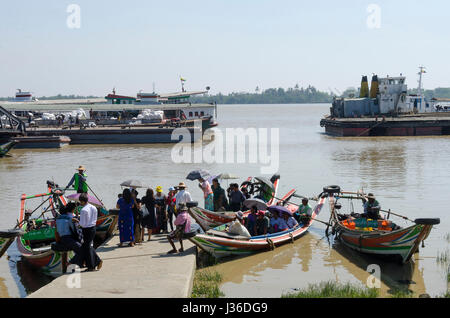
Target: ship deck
point(430, 124)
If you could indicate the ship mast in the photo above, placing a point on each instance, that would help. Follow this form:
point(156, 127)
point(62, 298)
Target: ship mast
point(421, 71)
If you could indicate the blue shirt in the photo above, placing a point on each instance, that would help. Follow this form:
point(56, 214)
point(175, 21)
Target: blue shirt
point(64, 224)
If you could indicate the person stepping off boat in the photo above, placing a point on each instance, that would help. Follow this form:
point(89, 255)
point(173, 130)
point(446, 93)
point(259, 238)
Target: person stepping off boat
point(79, 181)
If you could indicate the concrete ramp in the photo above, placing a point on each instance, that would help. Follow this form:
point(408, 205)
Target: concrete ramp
point(130, 272)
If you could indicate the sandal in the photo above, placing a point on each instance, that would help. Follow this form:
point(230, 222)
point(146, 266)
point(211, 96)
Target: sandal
point(180, 250)
point(131, 244)
point(171, 251)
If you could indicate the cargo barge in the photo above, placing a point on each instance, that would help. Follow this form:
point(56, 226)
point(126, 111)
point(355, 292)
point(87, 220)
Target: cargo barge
point(418, 125)
point(387, 110)
point(41, 142)
point(117, 135)
point(113, 109)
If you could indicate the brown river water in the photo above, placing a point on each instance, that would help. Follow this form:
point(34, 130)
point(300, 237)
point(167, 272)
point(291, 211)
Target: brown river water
point(409, 175)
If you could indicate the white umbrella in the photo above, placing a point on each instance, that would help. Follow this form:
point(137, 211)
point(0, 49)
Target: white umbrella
point(133, 184)
point(227, 176)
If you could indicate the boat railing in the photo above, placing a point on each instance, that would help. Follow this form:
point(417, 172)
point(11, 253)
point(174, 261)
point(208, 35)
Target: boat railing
point(10, 122)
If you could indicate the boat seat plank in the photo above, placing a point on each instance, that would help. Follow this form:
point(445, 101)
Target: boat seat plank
point(228, 235)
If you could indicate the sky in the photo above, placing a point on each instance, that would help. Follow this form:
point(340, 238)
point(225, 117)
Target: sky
point(229, 45)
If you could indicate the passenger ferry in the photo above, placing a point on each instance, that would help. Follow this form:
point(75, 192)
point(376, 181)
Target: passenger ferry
point(115, 108)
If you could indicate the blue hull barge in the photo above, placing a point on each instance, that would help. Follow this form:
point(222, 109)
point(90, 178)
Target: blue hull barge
point(117, 135)
point(41, 142)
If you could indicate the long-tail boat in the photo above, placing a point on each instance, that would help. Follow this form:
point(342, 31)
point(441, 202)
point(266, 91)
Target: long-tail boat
point(389, 240)
point(38, 234)
point(209, 219)
point(5, 148)
point(220, 243)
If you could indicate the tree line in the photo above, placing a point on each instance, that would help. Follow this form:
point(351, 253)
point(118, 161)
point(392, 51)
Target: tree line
point(292, 95)
point(295, 95)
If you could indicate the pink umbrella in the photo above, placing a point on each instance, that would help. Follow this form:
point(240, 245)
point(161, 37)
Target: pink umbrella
point(91, 199)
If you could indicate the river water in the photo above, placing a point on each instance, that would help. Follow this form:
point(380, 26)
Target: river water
point(409, 175)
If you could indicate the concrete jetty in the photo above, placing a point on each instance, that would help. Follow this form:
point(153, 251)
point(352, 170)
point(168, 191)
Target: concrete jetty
point(145, 270)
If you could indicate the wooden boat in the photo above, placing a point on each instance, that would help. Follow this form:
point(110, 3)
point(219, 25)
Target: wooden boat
point(5, 148)
point(209, 219)
point(220, 244)
point(35, 244)
point(400, 242)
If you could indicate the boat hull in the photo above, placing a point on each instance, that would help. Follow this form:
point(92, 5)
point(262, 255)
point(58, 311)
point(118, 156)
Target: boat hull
point(112, 135)
point(404, 242)
point(49, 261)
point(209, 219)
point(221, 246)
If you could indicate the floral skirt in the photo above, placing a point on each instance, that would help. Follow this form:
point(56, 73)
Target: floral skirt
point(209, 202)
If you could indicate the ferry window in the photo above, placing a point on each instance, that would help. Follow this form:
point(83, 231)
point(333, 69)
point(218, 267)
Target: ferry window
point(196, 114)
point(202, 113)
point(190, 114)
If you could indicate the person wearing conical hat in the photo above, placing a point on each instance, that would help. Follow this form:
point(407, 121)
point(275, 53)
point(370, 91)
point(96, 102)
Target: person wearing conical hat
point(79, 180)
point(182, 196)
point(371, 207)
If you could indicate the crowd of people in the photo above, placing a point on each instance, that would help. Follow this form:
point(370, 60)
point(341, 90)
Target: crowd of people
point(156, 212)
point(262, 222)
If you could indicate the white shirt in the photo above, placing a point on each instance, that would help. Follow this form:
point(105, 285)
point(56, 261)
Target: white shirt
point(236, 227)
point(88, 216)
point(182, 197)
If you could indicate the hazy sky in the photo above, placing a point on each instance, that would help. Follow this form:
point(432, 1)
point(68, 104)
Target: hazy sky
point(230, 45)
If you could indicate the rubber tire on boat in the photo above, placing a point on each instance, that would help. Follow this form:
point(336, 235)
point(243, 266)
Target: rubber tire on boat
point(332, 189)
point(428, 221)
point(191, 204)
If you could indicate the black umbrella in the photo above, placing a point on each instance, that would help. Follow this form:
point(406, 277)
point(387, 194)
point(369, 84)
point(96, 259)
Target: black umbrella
point(198, 174)
point(265, 181)
point(260, 204)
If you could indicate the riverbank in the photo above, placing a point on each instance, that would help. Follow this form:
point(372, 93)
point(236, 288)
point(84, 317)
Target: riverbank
point(145, 270)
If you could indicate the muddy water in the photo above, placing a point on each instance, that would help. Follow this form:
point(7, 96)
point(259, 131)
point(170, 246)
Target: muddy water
point(408, 174)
